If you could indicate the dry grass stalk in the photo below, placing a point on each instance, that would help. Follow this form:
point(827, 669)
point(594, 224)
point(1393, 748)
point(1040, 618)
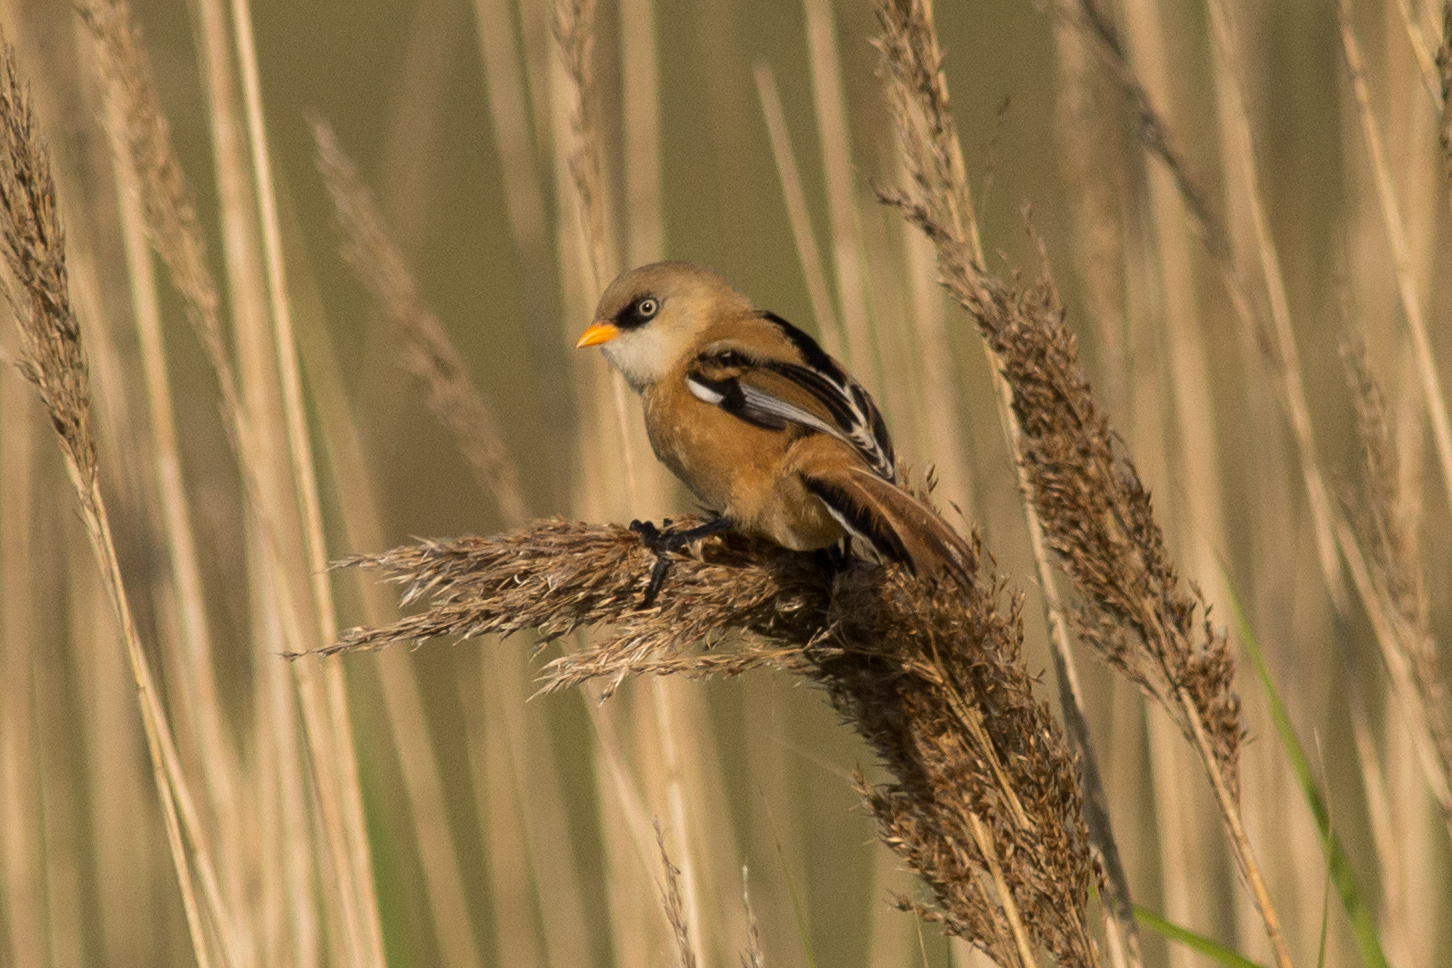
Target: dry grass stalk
point(427, 351)
point(753, 956)
point(1095, 512)
point(1097, 25)
point(1389, 529)
point(137, 131)
point(918, 97)
point(640, 129)
point(1431, 381)
point(33, 243)
point(1421, 52)
point(931, 677)
point(329, 720)
point(1444, 77)
point(813, 273)
point(510, 835)
point(175, 233)
point(583, 157)
point(670, 897)
point(1333, 532)
point(1277, 341)
point(830, 106)
point(1091, 157)
point(171, 215)
point(646, 485)
point(21, 854)
point(512, 121)
point(172, 226)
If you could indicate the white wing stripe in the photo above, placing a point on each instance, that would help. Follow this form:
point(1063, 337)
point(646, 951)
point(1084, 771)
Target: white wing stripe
point(704, 393)
point(764, 402)
point(860, 438)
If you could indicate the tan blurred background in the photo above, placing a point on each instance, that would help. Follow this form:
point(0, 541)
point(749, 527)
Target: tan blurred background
point(759, 770)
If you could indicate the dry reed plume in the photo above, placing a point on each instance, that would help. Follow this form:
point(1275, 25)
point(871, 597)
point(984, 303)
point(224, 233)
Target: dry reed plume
point(260, 824)
point(285, 523)
point(427, 352)
point(1274, 337)
point(1388, 520)
point(33, 242)
point(1337, 539)
point(1095, 511)
point(1366, 554)
point(142, 134)
point(574, 26)
point(984, 802)
point(917, 93)
point(675, 910)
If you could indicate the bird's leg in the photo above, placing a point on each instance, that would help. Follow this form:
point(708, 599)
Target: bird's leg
point(665, 541)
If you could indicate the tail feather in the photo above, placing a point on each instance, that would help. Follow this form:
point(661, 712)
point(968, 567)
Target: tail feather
point(895, 524)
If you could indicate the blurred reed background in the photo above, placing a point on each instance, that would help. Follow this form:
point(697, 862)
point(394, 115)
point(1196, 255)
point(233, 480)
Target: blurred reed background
point(1268, 349)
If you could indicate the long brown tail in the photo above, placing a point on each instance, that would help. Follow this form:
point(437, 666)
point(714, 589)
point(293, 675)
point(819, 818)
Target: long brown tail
point(897, 525)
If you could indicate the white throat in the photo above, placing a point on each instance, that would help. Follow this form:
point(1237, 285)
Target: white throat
point(644, 356)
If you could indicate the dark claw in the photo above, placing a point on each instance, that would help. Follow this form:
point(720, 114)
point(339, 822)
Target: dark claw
point(662, 542)
point(650, 536)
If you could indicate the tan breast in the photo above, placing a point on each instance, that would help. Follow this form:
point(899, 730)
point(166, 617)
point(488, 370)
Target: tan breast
point(736, 468)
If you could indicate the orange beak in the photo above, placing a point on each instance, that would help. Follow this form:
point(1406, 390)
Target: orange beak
point(598, 333)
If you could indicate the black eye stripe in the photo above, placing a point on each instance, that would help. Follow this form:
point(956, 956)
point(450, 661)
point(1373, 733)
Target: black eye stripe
point(638, 313)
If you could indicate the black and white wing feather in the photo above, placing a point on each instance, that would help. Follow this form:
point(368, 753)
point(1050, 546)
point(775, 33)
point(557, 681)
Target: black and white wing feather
point(815, 394)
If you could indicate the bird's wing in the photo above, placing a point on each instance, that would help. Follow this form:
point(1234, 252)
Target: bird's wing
point(772, 392)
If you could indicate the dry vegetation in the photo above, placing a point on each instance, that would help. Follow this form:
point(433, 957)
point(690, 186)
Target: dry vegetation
point(173, 791)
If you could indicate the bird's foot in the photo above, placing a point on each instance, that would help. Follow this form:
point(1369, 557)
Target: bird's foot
point(662, 542)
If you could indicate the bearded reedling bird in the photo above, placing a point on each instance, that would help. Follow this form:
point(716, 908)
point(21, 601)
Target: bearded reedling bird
point(766, 428)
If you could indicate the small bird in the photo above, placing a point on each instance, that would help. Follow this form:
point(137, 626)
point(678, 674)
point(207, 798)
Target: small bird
point(760, 423)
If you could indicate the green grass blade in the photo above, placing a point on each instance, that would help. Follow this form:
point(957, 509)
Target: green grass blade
point(1362, 918)
point(1191, 940)
point(803, 931)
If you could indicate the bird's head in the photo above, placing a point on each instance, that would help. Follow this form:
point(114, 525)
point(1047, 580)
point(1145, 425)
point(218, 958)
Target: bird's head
point(650, 317)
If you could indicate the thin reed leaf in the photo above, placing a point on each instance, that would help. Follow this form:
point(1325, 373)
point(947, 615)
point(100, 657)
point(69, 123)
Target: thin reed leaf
point(799, 914)
point(1195, 942)
point(1361, 915)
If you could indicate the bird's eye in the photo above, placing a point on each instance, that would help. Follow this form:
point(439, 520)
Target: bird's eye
point(647, 308)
